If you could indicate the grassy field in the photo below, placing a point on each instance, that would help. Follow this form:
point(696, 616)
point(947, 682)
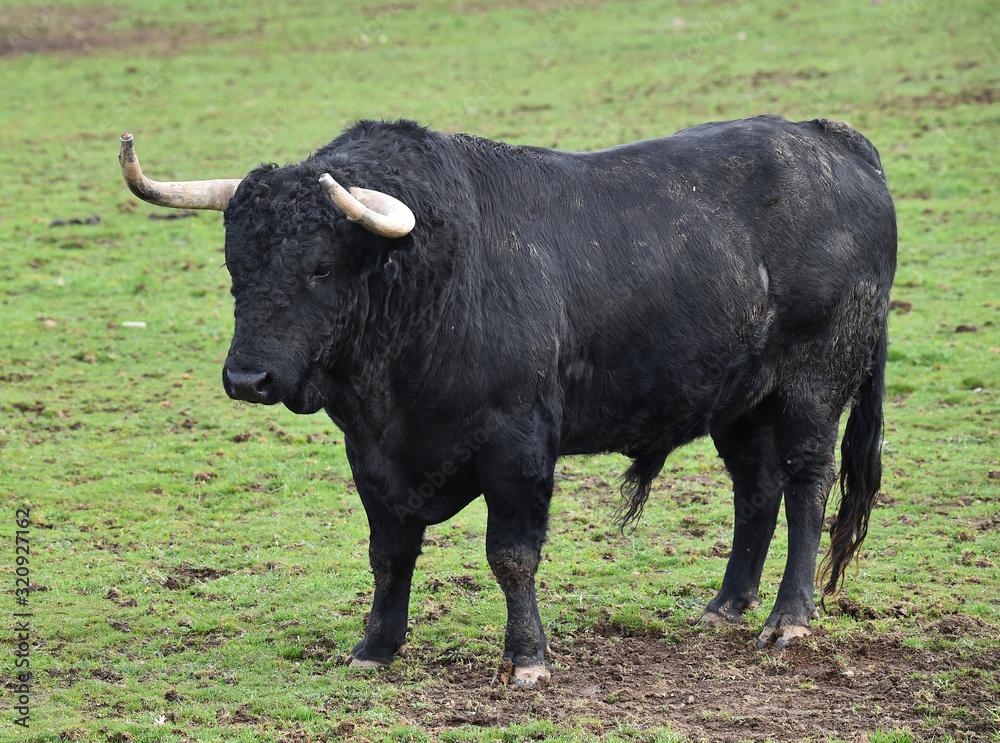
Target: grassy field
point(200, 566)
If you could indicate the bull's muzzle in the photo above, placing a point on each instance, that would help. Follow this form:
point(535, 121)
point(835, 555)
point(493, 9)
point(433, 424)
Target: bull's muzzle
point(248, 386)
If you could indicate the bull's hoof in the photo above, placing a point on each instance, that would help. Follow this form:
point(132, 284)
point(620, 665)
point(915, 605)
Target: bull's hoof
point(357, 663)
point(532, 677)
point(781, 636)
point(363, 656)
point(714, 619)
point(535, 676)
point(727, 608)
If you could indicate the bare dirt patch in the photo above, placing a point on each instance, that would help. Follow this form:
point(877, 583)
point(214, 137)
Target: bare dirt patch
point(86, 29)
point(183, 577)
point(716, 685)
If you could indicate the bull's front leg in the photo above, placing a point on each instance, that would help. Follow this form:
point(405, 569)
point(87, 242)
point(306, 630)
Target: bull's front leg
point(393, 551)
point(515, 532)
point(517, 469)
point(514, 563)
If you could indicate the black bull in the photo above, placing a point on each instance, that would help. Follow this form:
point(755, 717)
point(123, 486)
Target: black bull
point(731, 280)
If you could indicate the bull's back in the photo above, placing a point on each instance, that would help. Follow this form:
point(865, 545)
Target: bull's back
point(686, 266)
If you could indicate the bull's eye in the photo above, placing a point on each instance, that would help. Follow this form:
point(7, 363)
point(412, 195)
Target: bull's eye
point(322, 271)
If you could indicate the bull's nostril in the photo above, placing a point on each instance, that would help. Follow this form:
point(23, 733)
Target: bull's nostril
point(248, 386)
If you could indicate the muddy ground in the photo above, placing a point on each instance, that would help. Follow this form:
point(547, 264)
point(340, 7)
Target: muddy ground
point(716, 686)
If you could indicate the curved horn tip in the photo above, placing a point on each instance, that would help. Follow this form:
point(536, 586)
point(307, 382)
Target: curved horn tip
point(211, 194)
point(127, 153)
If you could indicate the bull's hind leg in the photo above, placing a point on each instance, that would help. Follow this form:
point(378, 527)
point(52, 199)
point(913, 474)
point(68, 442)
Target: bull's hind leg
point(748, 449)
point(805, 439)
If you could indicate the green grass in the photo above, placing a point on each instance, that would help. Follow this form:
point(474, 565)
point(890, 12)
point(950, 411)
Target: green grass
point(139, 470)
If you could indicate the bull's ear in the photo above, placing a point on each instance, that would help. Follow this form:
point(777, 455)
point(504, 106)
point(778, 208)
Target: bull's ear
point(372, 255)
point(390, 271)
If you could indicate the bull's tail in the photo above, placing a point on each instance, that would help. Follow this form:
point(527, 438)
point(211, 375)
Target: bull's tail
point(860, 473)
point(636, 484)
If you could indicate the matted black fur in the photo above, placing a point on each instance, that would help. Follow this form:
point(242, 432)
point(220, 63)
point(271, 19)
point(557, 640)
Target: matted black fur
point(731, 280)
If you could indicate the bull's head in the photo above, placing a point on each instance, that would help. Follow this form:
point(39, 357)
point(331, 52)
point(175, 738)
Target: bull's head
point(297, 267)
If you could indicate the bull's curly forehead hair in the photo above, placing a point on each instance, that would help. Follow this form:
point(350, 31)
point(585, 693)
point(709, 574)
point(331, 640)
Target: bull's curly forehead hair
point(274, 212)
point(277, 211)
point(279, 203)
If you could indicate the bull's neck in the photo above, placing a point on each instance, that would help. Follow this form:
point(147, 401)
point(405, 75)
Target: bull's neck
point(409, 326)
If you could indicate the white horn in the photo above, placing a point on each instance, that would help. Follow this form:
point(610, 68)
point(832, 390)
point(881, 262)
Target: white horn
point(214, 194)
point(375, 211)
